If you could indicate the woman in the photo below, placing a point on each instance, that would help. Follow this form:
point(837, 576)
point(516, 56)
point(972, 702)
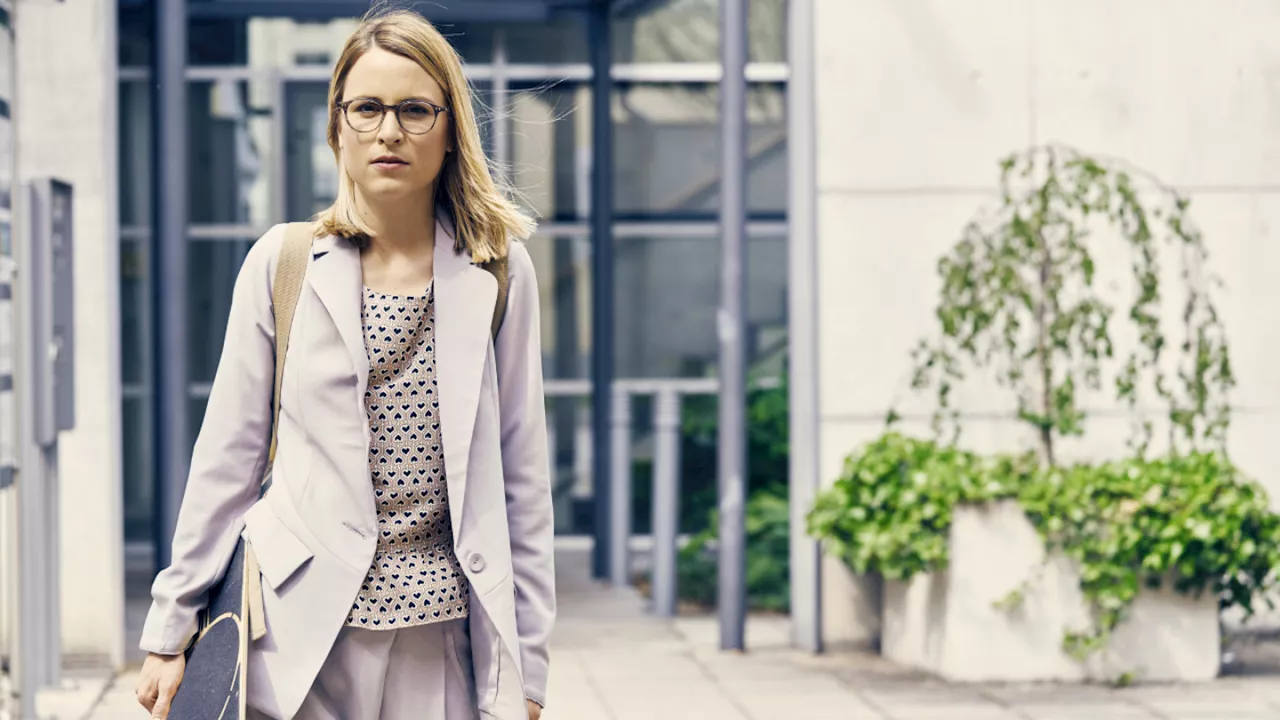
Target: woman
point(406, 541)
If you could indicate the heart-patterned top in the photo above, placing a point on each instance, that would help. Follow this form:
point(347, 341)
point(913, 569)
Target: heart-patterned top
point(415, 577)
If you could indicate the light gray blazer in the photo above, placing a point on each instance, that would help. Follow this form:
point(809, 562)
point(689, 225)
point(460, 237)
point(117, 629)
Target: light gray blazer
point(314, 532)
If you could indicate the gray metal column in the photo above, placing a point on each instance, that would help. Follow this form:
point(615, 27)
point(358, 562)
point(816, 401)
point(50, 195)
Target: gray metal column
point(600, 34)
point(620, 489)
point(732, 324)
point(33, 601)
point(802, 313)
point(666, 499)
point(169, 271)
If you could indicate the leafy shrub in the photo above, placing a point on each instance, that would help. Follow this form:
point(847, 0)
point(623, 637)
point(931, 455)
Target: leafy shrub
point(768, 563)
point(1193, 520)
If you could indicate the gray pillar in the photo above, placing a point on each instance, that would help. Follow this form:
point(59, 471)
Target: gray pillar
point(602, 320)
point(802, 289)
point(732, 325)
point(666, 500)
point(33, 561)
point(169, 271)
point(620, 489)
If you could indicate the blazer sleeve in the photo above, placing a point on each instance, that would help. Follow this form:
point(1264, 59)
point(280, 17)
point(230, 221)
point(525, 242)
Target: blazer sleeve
point(527, 470)
point(228, 460)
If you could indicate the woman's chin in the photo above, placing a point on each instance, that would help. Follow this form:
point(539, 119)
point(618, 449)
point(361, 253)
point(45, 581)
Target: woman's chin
point(389, 189)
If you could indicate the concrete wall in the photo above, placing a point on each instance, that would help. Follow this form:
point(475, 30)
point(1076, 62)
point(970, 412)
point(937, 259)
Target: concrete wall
point(66, 124)
point(918, 99)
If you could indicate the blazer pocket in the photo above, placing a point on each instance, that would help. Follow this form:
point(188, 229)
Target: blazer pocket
point(280, 553)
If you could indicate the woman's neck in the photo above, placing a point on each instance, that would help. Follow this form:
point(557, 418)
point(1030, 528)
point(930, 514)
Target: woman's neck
point(401, 226)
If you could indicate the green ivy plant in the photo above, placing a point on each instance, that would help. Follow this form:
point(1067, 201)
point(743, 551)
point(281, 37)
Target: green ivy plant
point(890, 511)
point(1020, 296)
point(1192, 520)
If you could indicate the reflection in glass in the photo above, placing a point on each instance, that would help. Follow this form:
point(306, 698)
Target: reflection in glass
point(550, 129)
point(689, 31)
point(135, 153)
point(667, 150)
point(668, 291)
point(561, 40)
point(136, 432)
point(228, 146)
point(134, 287)
point(214, 265)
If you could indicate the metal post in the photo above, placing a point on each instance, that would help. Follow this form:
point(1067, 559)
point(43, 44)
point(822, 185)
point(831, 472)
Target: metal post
point(732, 324)
point(600, 34)
point(620, 489)
point(806, 598)
point(52, 569)
point(169, 270)
point(666, 499)
point(32, 634)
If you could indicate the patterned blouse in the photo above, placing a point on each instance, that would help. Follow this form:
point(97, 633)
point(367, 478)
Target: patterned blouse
point(415, 577)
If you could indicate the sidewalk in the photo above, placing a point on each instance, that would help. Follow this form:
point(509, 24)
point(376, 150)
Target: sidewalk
point(612, 661)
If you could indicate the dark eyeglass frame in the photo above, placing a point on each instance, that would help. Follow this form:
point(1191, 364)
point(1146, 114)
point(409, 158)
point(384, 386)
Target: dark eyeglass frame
point(398, 107)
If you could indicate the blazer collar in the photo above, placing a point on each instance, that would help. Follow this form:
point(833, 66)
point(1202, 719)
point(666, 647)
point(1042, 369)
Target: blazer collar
point(465, 296)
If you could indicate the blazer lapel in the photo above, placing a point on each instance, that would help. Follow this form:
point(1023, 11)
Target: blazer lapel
point(464, 301)
point(337, 279)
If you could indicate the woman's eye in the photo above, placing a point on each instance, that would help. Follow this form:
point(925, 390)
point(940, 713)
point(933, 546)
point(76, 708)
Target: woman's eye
point(417, 110)
point(367, 108)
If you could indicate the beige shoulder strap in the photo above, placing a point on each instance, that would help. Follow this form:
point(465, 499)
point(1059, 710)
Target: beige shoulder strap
point(287, 286)
point(291, 268)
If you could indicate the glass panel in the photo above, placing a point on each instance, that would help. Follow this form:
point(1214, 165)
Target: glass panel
point(138, 485)
point(562, 40)
point(214, 265)
point(311, 176)
point(229, 149)
point(217, 41)
point(133, 311)
point(283, 42)
point(135, 153)
point(667, 150)
point(666, 325)
point(689, 31)
point(134, 34)
point(563, 268)
point(550, 131)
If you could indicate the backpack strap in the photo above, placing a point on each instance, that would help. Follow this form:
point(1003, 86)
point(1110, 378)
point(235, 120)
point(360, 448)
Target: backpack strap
point(498, 269)
point(291, 268)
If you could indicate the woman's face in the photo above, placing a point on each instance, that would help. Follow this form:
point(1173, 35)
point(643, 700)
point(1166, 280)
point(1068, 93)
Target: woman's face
point(385, 158)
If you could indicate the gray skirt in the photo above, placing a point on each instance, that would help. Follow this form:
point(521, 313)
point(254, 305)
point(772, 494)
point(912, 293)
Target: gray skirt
point(417, 672)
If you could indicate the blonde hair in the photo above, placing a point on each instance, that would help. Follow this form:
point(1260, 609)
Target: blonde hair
point(483, 215)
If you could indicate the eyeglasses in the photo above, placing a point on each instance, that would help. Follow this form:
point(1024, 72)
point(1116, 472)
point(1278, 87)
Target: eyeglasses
point(416, 117)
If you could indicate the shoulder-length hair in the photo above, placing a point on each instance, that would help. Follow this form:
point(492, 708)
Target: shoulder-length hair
point(484, 218)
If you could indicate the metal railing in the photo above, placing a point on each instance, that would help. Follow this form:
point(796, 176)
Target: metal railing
point(668, 400)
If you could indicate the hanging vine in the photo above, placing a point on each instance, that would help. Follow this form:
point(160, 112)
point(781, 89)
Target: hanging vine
point(1020, 296)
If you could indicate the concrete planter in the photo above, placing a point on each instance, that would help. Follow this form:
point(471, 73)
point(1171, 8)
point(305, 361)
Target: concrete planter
point(945, 623)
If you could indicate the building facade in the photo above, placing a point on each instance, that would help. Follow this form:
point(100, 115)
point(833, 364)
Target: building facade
point(255, 85)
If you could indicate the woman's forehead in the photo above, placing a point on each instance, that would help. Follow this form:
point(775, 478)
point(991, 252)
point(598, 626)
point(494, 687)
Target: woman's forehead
point(390, 78)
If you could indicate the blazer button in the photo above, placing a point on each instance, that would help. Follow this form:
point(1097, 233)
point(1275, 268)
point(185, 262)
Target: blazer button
point(476, 562)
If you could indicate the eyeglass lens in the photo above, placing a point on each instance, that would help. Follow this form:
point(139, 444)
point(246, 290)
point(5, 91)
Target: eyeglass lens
point(415, 117)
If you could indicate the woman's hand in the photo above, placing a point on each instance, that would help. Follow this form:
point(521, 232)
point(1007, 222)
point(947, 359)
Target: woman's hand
point(158, 681)
point(535, 710)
